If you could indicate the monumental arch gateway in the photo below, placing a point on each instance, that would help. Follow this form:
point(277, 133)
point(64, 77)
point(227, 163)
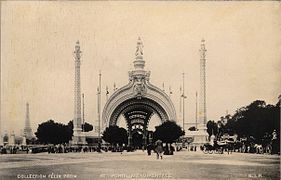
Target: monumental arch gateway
point(138, 101)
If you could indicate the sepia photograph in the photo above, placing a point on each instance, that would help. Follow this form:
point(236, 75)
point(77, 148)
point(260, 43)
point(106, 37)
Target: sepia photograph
point(146, 90)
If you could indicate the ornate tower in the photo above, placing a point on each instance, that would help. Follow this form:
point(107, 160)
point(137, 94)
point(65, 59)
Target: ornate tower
point(137, 102)
point(27, 129)
point(139, 75)
point(78, 137)
point(201, 136)
point(202, 95)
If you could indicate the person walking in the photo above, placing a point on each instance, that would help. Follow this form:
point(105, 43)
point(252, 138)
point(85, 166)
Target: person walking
point(274, 142)
point(159, 149)
point(149, 148)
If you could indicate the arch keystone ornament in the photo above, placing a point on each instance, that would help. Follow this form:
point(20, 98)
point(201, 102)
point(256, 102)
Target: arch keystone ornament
point(138, 101)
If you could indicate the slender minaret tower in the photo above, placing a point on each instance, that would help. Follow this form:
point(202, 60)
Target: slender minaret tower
point(202, 95)
point(77, 138)
point(202, 135)
point(27, 128)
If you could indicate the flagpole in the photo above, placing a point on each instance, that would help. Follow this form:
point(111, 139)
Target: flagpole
point(97, 125)
point(196, 113)
point(180, 98)
point(98, 110)
point(183, 96)
point(83, 119)
point(99, 104)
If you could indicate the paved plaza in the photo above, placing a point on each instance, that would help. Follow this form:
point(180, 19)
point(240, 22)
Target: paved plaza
point(137, 165)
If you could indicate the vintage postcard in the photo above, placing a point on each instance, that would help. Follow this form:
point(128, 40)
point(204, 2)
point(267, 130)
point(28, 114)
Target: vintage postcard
point(140, 90)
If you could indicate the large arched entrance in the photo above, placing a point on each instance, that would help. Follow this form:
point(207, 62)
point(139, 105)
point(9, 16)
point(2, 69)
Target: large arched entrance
point(137, 102)
point(137, 113)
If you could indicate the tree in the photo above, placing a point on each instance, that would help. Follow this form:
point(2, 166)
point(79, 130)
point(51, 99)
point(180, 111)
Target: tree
point(115, 135)
point(86, 126)
point(32, 141)
point(50, 132)
point(193, 128)
point(255, 120)
point(6, 138)
point(212, 128)
point(168, 132)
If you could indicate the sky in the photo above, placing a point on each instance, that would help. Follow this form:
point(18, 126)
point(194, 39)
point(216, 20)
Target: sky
point(243, 45)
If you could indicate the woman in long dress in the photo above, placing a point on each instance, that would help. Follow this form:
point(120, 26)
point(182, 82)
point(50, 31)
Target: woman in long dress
point(159, 149)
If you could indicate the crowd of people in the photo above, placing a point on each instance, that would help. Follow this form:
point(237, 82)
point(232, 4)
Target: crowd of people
point(157, 147)
point(13, 149)
point(160, 150)
point(268, 144)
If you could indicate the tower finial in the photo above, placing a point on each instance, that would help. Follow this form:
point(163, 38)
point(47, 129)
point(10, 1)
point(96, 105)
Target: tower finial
point(139, 62)
point(139, 51)
point(203, 49)
point(77, 51)
point(139, 73)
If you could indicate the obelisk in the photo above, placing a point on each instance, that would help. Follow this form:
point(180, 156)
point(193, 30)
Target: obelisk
point(27, 128)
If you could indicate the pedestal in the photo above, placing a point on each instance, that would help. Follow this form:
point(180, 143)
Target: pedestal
point(1, 140)
point(23, 141)
point(201, 136)
point(78, 138)
point(12, 139)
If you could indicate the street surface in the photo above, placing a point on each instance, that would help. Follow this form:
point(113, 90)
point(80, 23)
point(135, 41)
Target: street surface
point(137, 165)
